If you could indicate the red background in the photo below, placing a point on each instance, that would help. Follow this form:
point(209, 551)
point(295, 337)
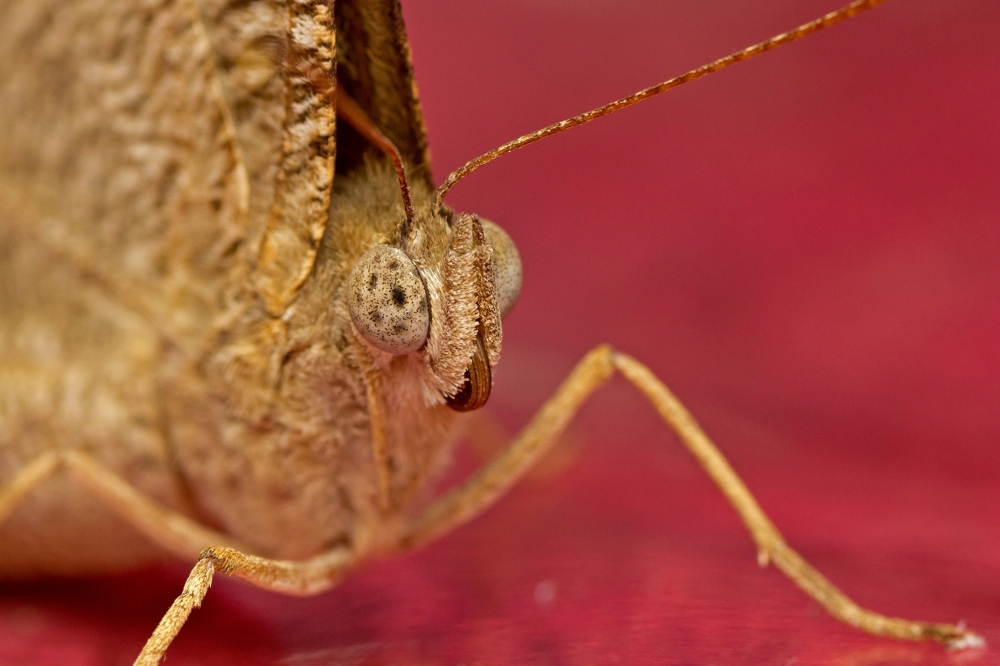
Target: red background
point(805, 247)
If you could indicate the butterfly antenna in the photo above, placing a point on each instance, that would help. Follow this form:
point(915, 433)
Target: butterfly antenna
point(348, 110)
point(826, 21)
point(355, 116)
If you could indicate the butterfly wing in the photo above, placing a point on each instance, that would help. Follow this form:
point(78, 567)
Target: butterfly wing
point(162, 174)
point(286, 127)
point(375, 68)
point(122, 210)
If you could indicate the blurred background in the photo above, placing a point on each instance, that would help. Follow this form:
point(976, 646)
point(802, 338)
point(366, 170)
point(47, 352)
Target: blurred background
point(804, 247)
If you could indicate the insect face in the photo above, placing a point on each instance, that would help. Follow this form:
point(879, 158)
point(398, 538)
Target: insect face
point(439, 293)
point(388, 300)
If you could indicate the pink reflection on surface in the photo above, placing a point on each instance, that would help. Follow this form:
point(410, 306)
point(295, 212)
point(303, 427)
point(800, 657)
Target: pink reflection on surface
point(806, 248)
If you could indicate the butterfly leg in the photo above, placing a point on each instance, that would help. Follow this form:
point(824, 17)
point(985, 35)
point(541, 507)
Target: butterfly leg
point(541, 433)
point(179, 535)
point(27, 479)
point(296, 578)
point(173, 531)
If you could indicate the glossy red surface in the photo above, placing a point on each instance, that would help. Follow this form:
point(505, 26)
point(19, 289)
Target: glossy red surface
point(806, 248)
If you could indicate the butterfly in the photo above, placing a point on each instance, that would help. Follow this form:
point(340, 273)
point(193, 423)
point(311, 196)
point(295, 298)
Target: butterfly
point(246, 87)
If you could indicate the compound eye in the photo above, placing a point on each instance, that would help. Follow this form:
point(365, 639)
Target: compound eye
point(506, 266)
point(387, 300)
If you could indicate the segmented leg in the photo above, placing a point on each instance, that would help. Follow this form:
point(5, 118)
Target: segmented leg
point(181, 536)
point(299, 578)
point(26, 480)
point(592, 372)
point(178, 534)
point(173, 531)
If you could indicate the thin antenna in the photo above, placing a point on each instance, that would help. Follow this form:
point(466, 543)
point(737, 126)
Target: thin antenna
point(355, 116)
point(351, 112)
point(847, 12)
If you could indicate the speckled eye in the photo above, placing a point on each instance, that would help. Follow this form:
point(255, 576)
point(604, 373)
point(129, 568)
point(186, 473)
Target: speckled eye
point(387, 300)
point(506, 266)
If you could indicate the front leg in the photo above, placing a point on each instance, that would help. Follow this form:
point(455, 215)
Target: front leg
point(297, 578)
point(179, 535)
point(497, 477)
point(591, 373)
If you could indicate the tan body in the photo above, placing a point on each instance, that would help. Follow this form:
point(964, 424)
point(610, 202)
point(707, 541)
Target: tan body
point(296, 478)
point(129, 326)
point(179, 370)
